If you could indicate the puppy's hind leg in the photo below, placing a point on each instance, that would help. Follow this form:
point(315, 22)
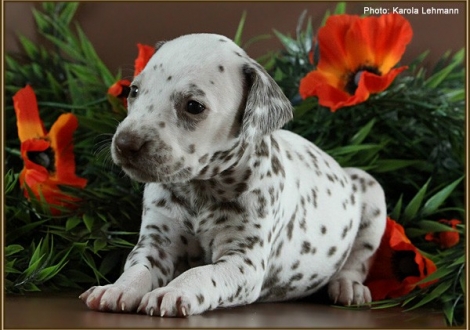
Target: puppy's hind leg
point(346, 287)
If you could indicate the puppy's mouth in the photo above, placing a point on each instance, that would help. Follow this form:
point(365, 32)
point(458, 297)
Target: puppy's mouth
point(145, 172)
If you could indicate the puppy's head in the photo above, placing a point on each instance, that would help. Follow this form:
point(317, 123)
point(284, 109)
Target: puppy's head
point(199, 95)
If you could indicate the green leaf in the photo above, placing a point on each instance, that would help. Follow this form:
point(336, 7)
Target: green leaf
point(384, 304)
point(238, 35)
point(29, 47)
point(54, 85)
point(91, 263)
point(415, 232)
point(121, 243)
point(289, 44)
point(13, 249)
point(434, 226)
point(325, 17)
point(34, 265)
point(30, 287)
point(397, 209)
point(81, 247)
point(89, 221)
point(351, 149)
point(457, 95)
point(463, 282)
point(412, 208)
point(37, 254)
point(389, 165)
point(340, 8)
point(434, 294)
point(72, 223)
point(435, 201)
point(419, 60)
point(458, 262)
point(70, 50)
point(438, 274)
point(362, 133)
point(436, 79)
point(99, 245)
point(448, 310)
point(11, 181)
point(9, 267)
point(68, 12)
point(40, 20)
point(49, 272)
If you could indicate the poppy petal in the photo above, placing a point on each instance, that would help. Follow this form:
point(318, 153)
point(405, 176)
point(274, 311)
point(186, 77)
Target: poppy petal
point(30, 125)
point(323, 85)
point(61, 135)
point(145, 53)
point(448, 239)
point(334, 56)
point(313, 80)
point(359, 42)
point(396, 34)
point(383, 288)
point(117, 88)
point(36, 145)
point(33, 176)
point(375, 84)
point(34, 173)
point(378, 41)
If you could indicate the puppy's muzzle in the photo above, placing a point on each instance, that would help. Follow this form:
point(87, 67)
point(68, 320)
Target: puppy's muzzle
point(129, 145)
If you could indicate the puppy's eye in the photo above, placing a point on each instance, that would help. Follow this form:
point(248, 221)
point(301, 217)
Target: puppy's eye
point(194, 107)
point(134, 90)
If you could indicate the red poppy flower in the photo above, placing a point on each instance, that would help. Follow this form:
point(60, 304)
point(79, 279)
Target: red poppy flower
point(357, 56)
point(398, 265)
point(48, 158)
point(445, 239)
point(121, 88)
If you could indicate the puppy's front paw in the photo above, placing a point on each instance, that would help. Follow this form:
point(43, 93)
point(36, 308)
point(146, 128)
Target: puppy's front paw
point(349, 292)
point(122, 296)
point(168, 302)
point(112, 298)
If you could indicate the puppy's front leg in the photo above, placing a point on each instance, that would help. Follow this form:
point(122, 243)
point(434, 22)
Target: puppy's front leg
point(150, 265)
point(235, 278)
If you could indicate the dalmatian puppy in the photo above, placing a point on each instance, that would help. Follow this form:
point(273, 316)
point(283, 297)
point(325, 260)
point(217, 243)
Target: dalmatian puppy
point(235, 210)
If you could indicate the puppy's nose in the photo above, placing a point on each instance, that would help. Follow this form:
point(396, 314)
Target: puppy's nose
point(128, 143)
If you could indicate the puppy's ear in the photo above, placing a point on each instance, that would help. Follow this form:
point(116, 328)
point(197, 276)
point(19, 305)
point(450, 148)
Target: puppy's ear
point(267, 108)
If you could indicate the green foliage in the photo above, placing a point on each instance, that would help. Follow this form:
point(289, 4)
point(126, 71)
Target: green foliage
point(74, 249)
point(410, 137)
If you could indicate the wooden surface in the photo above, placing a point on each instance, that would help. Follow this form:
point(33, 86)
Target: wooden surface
point(65, 311)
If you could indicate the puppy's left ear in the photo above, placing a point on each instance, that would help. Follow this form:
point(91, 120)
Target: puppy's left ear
point(267, 108)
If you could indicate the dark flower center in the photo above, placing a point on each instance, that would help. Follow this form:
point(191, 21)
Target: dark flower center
point(404, 265)
point(43, 158)
point(353, 77)
point(125, 92)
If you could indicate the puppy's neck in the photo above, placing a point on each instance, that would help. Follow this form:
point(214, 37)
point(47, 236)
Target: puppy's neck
point(230, 173)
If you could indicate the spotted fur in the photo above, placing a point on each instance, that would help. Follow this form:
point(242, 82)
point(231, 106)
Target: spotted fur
point(235, 210)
